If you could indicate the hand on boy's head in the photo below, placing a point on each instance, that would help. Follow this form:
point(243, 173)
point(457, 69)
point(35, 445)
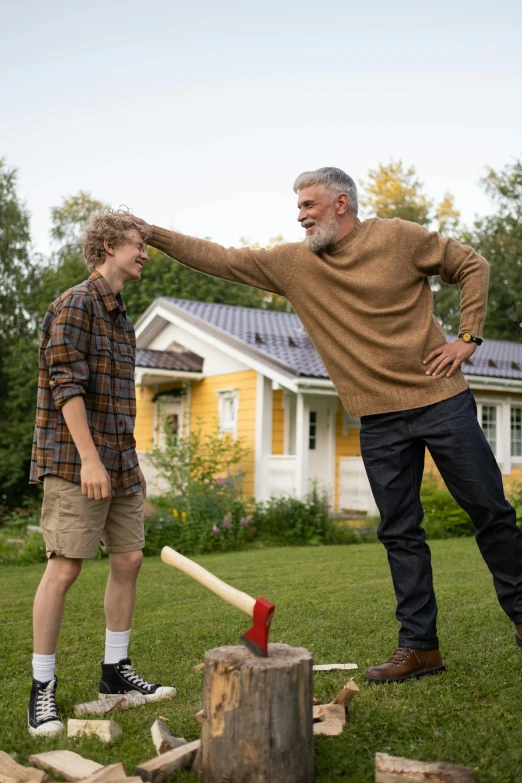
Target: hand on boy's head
point(143, 223)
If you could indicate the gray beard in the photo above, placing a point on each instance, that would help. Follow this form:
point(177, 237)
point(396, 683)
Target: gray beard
point(324, 233)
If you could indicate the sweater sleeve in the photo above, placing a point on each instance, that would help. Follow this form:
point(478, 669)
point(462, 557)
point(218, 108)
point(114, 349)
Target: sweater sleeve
point(457, 264)
point(269, 270)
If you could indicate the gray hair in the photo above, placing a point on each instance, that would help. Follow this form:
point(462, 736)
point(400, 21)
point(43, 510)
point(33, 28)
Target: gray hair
point(334, 180)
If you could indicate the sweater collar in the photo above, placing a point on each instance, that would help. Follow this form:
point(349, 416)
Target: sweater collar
point(345, 241)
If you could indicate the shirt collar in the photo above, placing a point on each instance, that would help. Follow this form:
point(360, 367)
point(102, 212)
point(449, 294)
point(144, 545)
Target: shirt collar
point(110, 300)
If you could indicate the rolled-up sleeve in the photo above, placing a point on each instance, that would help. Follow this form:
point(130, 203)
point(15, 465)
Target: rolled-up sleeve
point(67, 349)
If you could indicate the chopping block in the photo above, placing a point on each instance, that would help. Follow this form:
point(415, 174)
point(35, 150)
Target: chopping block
point(257, 724)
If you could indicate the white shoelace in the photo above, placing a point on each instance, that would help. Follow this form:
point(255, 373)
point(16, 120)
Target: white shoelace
point(130, 675)
point(46, 705)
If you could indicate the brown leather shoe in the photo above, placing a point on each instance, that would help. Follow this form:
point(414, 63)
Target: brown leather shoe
point(406, 664)
point(518, 635)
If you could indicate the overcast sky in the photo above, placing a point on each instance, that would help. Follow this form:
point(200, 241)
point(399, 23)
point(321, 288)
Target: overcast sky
point(199, 115)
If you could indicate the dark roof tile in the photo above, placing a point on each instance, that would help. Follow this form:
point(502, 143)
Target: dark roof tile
point(185, 361)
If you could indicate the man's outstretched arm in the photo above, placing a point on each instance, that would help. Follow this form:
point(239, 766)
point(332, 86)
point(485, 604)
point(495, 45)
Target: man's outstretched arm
point(269, 270)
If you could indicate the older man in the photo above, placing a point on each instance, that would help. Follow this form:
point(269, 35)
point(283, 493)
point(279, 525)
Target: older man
point(361, 290)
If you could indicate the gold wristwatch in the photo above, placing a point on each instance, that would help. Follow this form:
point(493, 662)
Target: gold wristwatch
point(468, 338)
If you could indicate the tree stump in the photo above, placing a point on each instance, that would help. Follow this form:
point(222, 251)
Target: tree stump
point(257, 716)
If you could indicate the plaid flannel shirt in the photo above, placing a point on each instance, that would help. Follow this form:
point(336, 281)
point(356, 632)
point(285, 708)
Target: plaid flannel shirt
point(87, 348)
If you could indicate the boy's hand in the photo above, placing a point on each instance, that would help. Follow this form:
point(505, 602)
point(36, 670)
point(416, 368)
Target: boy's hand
point(143, 483)
point(96, 483)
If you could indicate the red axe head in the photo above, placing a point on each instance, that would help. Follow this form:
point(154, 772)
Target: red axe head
point(256, 639)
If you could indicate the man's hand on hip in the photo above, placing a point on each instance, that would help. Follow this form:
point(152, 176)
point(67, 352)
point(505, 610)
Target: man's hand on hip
point(96, 483)
point(448, 358)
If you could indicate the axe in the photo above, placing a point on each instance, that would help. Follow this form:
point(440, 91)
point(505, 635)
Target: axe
point(260, 610)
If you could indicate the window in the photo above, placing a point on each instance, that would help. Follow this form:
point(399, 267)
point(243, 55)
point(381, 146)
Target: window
point(489, 425)
point(516, 432)
point(228, 408)
point(312, 430)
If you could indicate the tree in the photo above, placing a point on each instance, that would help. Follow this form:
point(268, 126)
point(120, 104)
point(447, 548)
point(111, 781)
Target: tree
point(395, 192)
point(18, 345)
point(498, 237)
point(15, 267)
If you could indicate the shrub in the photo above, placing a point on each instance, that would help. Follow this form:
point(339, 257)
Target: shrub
point(515, 498)
point(443, 517)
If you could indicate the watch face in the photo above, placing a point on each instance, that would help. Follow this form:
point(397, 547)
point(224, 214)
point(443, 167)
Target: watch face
point(466, 337)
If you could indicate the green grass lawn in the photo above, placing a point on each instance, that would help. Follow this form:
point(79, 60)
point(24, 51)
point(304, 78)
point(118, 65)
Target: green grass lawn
point(337, 602)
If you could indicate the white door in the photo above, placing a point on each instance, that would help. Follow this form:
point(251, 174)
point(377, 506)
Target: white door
point(321, 441)
point(171, 411)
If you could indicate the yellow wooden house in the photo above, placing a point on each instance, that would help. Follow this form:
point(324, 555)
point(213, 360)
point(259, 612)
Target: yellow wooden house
point(256, 375)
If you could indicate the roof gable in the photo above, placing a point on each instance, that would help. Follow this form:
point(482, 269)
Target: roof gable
point(279, 336)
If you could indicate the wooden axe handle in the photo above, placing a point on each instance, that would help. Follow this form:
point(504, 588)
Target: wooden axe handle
point(229, 594)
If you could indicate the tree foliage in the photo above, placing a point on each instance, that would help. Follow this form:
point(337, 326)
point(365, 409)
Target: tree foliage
point(393, 191)
point(18, 344)
point(498, 237)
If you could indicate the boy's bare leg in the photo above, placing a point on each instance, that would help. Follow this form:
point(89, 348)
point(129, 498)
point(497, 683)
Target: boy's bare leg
point(49, 602)
point(120, 594)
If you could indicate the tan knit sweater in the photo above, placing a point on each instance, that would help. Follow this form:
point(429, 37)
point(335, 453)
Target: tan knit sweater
point(366, 303)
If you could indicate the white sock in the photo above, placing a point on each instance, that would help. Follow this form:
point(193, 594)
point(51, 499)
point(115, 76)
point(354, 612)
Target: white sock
point(43, 667)
point(116, 645)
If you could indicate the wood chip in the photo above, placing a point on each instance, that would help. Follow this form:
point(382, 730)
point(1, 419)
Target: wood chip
point(110, 774)
point(159, 768)
point(331, 712)
point(317, 701)
point(124, 701)
point(105, 730)
point(327, 667)
point(345, 695)
point(199, 667)
point(9, 768)
point(199, 716)
point(394, 769)
point(163, 739)
point(69, 765)
point(329, 727)
point(334, 719)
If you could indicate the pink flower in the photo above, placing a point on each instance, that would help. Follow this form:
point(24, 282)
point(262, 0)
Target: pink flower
point(220, 481)
point(227, 522)
point(216, 530)
point(245, 521)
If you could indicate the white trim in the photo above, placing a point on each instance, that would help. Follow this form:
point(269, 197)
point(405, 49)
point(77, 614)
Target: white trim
point(481, 382)
point(168, 375)
point(263, 434)
point(301, 447)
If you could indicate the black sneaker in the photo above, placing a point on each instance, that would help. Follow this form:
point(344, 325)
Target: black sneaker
point(43, 717)
point(121, 678)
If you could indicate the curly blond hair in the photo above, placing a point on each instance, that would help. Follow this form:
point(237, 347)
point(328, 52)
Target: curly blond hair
point(110, 225)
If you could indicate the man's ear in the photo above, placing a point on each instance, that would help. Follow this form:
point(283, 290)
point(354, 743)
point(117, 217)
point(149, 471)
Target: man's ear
point(342, 204)
point(108, 248)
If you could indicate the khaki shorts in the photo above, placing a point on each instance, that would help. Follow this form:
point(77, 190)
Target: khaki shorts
point(74, 525)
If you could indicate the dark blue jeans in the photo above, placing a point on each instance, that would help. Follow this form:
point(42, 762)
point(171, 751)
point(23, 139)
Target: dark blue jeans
point(393, 447)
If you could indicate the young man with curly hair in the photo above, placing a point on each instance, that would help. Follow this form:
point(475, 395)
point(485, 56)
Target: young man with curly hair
point(84, 452)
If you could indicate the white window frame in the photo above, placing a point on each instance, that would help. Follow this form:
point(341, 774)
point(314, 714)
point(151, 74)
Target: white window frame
point(514, 460)
point(228, 410)
point(503, 417)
